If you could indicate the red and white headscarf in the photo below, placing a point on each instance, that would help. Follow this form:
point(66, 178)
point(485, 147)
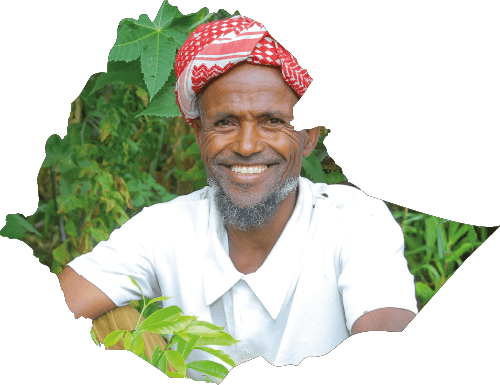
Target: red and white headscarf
point(214, 48)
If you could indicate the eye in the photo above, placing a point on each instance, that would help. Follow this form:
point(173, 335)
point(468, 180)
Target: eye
point(223, 122)
point(274, 122)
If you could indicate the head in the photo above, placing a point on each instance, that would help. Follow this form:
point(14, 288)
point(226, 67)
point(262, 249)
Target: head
point(244, 120)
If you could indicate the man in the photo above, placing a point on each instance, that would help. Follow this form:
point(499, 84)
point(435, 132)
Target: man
point(290, 268)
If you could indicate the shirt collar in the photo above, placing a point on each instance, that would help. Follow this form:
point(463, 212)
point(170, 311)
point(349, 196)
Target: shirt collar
point(272, 281)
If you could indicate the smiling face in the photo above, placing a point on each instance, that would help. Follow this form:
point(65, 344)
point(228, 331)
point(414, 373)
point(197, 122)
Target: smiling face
point(246, 115)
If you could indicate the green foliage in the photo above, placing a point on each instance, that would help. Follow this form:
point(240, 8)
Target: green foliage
point(435, 249)
point(187, 334)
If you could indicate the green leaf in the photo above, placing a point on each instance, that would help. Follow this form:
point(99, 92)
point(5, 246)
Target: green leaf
point(211, 368)
point(168, 326)
point(164, 104)
point(129, 73)
point(313, 169)
point(224, 339)
point(161, 320)
point(431, 224)
point(155, 43)
point(187, 348)
point(440, 242)
point(203, 329)
point(16, 226)
point(157, 300)
point(136, 284)
point(472, 235)
point(218, 353)
point(99, 235)
point(458, 234)
point(56, 149)
point(137, 344)
point(127, 341)
point(60, 253)
point(177, 361)
point(94, 337)
point(156, 355)
point(113, 337)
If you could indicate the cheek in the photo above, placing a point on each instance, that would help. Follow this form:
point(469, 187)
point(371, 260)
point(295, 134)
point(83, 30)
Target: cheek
point(210, 146)
point(291, 145)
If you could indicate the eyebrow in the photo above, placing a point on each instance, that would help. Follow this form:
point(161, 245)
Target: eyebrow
point(266, 114)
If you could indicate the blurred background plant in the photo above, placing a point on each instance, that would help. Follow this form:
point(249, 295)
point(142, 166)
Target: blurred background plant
point(119, 156)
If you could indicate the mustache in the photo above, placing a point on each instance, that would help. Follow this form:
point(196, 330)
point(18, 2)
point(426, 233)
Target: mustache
point(244, 161)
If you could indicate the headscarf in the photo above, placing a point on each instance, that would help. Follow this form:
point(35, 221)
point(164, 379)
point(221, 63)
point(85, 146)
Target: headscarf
point(214, 48)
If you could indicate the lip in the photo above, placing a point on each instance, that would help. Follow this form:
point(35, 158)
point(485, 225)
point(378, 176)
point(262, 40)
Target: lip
point(247, 177)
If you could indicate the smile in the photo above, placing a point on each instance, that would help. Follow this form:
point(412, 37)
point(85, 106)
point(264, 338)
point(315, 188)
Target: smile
point(242, 173)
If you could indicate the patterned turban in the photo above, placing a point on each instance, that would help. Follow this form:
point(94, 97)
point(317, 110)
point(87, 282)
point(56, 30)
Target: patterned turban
point(214, 48)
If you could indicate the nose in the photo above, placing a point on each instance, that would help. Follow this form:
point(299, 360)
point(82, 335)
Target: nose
point(248, 140)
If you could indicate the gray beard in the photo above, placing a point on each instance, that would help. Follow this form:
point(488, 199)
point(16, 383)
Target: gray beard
point(257, 216)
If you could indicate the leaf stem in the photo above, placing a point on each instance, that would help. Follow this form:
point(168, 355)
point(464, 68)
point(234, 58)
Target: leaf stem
point(201, 21)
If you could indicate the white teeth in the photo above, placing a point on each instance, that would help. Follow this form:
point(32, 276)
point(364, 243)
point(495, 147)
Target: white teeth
point(248, 170)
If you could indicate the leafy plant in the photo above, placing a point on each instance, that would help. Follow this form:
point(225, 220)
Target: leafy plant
point(188, 334)
point(435, 249)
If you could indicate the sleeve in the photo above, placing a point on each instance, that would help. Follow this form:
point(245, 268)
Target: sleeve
point(374, 272)
point(128, 251)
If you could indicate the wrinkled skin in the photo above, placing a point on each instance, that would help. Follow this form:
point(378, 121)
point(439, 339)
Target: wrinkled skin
point(232, 130)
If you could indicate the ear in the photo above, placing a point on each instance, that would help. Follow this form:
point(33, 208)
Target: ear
point(311, 140)
point(197, 130)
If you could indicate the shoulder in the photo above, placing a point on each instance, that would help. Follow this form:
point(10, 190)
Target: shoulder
point(184, 207)
point(348, 203)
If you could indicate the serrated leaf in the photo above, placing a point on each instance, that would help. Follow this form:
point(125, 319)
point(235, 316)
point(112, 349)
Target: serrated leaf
point(164, 104)
point(129, 73)
point(177, 361)
point(155, 43)
point(218, 353)
point(209, 367)
point(113, 337)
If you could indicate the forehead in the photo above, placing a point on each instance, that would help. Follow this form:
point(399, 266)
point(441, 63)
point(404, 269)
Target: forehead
point(248, 87)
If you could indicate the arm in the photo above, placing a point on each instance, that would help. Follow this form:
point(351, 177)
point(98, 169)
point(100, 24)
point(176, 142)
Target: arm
point(83, 298)
point(387, 319)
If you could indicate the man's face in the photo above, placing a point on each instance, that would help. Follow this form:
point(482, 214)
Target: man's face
point(246, 116)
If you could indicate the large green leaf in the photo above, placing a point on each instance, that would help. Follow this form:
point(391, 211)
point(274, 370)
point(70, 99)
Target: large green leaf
point(154, 42)
point(164, 104)
point(130, 73)
point(209, 367)
point(16, 226)
point(161, 317)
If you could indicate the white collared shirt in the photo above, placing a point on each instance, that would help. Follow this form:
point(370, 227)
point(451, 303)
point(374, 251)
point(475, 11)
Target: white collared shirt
point(340, 256)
